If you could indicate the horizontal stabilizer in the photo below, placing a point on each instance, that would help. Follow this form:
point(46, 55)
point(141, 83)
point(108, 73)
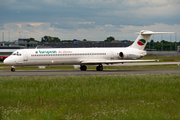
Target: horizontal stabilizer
point(147, 32)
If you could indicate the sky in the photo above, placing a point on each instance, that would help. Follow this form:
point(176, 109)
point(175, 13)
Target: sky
point(94, 20)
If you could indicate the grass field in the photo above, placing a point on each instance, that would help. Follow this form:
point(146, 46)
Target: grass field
point(90, 97)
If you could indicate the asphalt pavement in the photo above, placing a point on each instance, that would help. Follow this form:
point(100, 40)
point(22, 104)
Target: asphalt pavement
point(88, 72)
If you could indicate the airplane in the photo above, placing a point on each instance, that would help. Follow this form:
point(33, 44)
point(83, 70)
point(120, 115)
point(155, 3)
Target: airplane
point(82, 56)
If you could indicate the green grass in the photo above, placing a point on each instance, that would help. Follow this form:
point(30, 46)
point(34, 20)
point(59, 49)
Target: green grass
point(90, 97)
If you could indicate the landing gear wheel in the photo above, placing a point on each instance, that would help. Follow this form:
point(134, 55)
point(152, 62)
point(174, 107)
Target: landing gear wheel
point(83, 68)
point(99, 68)
point(12, 69)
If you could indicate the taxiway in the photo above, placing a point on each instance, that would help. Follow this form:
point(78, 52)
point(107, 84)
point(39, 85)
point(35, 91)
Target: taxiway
point(88, 72)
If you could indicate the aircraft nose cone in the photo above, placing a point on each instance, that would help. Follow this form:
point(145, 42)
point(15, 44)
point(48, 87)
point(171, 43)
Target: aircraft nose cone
point(7, 61)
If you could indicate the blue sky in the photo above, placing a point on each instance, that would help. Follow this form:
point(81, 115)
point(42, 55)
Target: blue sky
point(87, 19)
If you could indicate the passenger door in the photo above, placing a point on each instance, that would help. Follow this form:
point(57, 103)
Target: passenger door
point(112, 55)
point(25, 56)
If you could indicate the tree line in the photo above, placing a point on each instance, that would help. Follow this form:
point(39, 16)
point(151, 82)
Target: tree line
point(151, 45)
point(56, 39)
point(163, 45)
point(50, 39)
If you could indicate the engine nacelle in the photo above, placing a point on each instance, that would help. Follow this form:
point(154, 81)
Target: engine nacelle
point(124, 55)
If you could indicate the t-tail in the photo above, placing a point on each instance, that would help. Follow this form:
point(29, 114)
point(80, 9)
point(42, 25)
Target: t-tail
point(143, 38)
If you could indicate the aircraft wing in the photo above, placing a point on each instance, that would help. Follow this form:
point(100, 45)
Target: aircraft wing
point(110, 61)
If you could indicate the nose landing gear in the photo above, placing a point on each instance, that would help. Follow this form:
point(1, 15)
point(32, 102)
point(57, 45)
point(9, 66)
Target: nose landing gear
point(12, 69)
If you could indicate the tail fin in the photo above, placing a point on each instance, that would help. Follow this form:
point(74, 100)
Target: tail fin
point(143, 38)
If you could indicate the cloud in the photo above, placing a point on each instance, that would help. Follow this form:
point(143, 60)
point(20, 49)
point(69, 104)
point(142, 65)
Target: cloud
point(95, 33)
point(62, 25)
point(73, 25)
point(2, 28)
point(100, 11)
point(90, 19)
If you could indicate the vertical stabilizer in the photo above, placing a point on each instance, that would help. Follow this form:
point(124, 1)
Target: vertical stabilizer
point(143, 38)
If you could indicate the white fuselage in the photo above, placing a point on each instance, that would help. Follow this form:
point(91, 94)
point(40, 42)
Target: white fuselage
point(82, 56)
point(69, 56)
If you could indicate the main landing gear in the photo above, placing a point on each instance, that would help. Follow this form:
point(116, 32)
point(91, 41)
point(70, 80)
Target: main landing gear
point(12, 69)
point(99, 68)
point(83, 68)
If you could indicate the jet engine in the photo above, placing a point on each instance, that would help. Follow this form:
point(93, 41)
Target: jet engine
point(123, 55)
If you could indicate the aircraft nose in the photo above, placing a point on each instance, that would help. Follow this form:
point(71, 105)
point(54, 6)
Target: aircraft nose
point(7, 61)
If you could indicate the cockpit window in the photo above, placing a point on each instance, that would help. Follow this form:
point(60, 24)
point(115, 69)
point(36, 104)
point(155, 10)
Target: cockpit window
point(16, 53)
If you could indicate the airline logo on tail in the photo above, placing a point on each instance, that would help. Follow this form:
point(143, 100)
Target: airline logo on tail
point(141, 42)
